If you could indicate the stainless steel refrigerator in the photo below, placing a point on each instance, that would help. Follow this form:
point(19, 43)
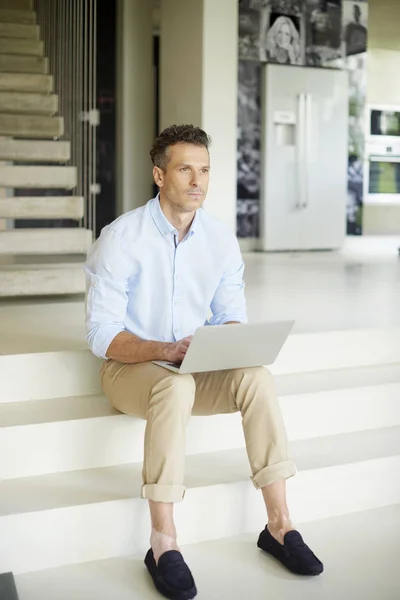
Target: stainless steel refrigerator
point(304, 158)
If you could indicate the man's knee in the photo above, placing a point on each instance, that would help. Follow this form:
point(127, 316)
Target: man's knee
point(175, 391)
point(256, 375)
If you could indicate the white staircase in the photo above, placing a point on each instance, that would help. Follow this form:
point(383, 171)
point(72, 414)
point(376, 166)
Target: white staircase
point(71, 465)
point(33, 157)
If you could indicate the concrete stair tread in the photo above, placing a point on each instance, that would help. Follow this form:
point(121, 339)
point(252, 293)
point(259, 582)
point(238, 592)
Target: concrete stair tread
point(18, 63)
point(45, 266)
point(19, 31)
point(17, 4)
point(9, 15)
point(18, 46)
point(61, 240)
point(42, 207)
point(26, 82)
point(45, 151)
point(107, 484)
point(33, 104)
point(37, 176)
point(31, 126)
point(364, 567)
point(93, 406)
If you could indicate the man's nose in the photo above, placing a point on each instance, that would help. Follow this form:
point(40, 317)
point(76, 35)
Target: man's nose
point(195, 182)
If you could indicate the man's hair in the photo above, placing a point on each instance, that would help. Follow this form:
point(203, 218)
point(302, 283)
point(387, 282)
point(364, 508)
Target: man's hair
point(176, 134)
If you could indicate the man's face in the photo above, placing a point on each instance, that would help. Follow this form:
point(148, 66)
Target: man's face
point(184, 182)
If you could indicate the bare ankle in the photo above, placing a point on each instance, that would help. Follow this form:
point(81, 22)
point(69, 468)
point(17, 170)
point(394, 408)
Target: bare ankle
point(161, 543)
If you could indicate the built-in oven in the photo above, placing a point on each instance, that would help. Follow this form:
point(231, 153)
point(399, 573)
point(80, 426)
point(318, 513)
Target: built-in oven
point(382, 172)
point(383, 123)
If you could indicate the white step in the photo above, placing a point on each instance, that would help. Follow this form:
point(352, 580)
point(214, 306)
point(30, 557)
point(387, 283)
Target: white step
point(73, 240)
point(18, 30)
point(31, 126)
point(46, 207)
point(35, 151)
point(17, 4)
point(13, 63)
point(25, 47)
point(347, 349)
point(90, 421)
point(38, 177)
point(359, 552)
point(8, 15)
point(65, 518)
point(18, 82)
point(41, 280)
point(33, 104)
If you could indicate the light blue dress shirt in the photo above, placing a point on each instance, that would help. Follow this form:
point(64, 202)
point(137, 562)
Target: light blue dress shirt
point(140, 279)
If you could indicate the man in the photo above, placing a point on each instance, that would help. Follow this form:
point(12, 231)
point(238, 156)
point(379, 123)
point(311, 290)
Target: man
point(153, 277)
point(355, 34)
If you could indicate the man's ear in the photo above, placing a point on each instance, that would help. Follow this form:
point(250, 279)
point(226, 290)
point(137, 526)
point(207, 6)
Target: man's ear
point(158, 175)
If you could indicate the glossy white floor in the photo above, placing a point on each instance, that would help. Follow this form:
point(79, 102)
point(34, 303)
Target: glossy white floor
point(360, 554)
point(357, 287)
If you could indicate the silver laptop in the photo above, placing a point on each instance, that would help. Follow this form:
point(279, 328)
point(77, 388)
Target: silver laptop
point(220, 347)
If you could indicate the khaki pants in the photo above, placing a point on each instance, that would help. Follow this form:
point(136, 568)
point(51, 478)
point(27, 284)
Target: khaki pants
point(167, 400)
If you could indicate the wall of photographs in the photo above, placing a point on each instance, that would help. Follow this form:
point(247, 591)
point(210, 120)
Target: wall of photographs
point(316, 33)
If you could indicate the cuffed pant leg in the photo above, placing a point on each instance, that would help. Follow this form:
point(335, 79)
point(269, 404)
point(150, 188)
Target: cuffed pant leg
point(263, 426)
point(165, 399)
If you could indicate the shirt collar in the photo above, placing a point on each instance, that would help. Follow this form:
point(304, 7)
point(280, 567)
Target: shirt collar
point(162, 223)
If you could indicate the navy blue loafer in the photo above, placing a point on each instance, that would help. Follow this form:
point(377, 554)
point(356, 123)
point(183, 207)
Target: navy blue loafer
point(172, 576)
point(294, 554)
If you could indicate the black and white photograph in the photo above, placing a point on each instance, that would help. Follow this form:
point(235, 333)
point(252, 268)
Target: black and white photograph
point(255, 4)
point(324, 32)
point(248, 145)
point(357, 68)
point(248, 218)
point(249, 34)
point(355, 27)
point(284, 7)
point(281, 39)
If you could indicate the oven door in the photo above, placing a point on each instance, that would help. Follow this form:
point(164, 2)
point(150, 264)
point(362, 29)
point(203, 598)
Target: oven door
point(382, 180)
point(384, 123)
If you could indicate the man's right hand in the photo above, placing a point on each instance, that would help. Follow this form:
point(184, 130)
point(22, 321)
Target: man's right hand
point(176, 351)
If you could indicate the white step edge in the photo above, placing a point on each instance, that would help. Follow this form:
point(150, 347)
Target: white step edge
point(31, 126)
point(234, 568)
point(25, 103)
point(74, 517)
point(46, 207)
point(17, 82)
point(41, 280)
point(83, 422)
point(39, 177)
point(73, 240)
point(35, 151)
point(19, 31)
point(346, 349)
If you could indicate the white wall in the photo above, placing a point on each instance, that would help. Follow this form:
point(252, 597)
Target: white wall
point(135, 103)
point(383, 87)
point(198, 85)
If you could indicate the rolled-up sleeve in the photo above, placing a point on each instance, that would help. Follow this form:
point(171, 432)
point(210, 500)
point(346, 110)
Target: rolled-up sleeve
point(107, 273)
point(229, 303)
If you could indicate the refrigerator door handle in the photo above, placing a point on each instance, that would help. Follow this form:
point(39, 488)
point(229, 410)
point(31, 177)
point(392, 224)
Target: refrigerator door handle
point(307, 148)
point(300, 137)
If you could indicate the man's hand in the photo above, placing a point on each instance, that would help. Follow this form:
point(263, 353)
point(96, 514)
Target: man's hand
point(176, 351)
